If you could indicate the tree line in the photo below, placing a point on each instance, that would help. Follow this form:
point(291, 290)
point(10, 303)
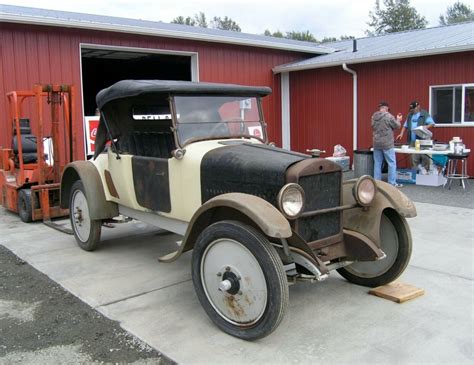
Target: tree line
point(392, 16)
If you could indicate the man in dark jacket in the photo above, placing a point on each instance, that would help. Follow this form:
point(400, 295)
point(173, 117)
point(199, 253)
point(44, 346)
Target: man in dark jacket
point(383, 124)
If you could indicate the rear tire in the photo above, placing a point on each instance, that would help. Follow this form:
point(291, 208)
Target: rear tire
point(25, 210)
point(395, 239)
point(86, 231)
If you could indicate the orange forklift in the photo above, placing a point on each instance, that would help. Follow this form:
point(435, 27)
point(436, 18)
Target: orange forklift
point(41, 145)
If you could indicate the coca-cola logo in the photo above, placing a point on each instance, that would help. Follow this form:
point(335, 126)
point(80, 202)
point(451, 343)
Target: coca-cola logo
point(93, 133)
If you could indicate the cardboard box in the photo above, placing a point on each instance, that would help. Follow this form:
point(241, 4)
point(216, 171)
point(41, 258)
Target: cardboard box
point(430, 180)
point(406, 176)
point(341, 161)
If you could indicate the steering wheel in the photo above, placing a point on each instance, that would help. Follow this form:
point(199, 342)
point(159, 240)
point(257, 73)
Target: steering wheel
point(219, 127)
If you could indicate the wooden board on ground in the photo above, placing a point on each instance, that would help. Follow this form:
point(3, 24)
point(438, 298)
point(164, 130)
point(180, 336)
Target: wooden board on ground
point(397, 292)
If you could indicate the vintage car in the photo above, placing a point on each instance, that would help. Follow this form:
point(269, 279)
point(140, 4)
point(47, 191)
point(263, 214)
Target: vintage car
point(194, 159)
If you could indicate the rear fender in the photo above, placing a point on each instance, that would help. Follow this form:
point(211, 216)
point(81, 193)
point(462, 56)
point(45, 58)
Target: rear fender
point(99, 207)
point(367, 220)
point(246, 208)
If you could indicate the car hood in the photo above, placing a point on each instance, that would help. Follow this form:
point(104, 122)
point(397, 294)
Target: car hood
point(246, 168)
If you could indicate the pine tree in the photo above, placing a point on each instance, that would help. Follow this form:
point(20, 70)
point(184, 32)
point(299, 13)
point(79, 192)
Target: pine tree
point(225, 23)
point(301, 36)
point(396, 16)
point(457, 13)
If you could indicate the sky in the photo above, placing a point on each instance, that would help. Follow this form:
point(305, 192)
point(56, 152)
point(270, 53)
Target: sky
point(323, 18)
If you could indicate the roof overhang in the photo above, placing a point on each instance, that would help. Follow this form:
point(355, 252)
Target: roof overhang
point(296, 66)
point(120, 28)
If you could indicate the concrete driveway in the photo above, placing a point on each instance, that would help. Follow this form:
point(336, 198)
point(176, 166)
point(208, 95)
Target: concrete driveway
point(332, 322)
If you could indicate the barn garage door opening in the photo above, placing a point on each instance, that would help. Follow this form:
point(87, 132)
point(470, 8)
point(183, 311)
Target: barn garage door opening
point(103, 67)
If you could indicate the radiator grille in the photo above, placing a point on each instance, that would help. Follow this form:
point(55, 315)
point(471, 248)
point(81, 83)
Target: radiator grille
point(321, 191)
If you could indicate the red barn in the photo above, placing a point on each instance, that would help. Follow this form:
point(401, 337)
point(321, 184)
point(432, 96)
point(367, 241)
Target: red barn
point(322, 95)
point(331, 97)
point(92, 52)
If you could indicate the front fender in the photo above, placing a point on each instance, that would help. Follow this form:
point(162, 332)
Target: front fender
point(367, 220)
point(247, 208)
point(99, 207)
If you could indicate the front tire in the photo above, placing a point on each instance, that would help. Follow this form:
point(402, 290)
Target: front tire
point(239, 280)
point(86, 230)
point(25, 209)
point(395, 239)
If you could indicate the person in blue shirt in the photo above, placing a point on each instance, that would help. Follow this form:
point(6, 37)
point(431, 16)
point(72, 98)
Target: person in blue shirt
point(417, 117)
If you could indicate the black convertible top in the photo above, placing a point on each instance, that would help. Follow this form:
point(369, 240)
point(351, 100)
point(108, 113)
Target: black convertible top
point(127, 88)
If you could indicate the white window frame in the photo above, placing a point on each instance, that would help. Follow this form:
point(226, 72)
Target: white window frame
point(462, 123)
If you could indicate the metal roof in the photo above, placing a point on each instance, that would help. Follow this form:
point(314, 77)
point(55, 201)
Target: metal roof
point(415, 43)
point(27, 15)
point(128, 88)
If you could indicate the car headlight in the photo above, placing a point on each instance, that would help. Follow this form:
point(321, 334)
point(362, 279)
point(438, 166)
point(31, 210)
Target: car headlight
point(291, 200)
point(364, 190)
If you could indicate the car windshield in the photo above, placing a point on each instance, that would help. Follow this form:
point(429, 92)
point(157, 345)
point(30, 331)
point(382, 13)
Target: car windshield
point(212, 117)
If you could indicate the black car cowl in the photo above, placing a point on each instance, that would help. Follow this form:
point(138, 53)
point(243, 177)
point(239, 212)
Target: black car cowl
point(246, 168)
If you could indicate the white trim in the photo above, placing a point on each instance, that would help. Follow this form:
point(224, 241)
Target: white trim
point(285, 111)
point(449, 85)
point(385, 57)
point(195, 67)
point(354, 105)
point(136, 49)
point(121, 28)
point(457, 125)
point(82, 105)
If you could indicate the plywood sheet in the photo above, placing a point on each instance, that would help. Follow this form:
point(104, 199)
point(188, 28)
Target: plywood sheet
point(397, 292)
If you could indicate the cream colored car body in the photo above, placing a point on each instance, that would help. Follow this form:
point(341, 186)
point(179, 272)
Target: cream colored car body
point(184, 179)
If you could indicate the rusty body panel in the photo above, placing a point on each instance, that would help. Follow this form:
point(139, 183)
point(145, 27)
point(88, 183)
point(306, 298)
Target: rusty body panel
point(99, 207)
point(110, 184)
point(314, 167)
point(357, 236)
point(248, 208)
point(367, 220)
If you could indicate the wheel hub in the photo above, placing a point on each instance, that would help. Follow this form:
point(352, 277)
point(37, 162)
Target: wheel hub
point(237, 290)
point(78, 215)
point(230, 283)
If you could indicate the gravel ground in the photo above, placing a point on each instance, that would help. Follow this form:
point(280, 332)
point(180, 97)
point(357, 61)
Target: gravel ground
point(41, 323)
point(454, 197)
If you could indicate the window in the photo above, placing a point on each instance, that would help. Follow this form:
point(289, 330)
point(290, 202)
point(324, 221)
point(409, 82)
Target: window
point(214, 117)
point(452, 104)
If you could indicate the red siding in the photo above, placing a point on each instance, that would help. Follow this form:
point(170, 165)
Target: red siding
point(321, 109)
point(35, 54)
point(321, 99)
